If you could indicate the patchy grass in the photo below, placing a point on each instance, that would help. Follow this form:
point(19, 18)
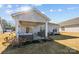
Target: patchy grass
point(49, 47)
point(41, 48)
point(56, 46)
point(62, 37)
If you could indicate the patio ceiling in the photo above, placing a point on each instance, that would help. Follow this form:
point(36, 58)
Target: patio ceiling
point(27, 23)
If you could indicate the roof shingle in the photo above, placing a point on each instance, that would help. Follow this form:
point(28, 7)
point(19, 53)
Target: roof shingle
point(70, 22)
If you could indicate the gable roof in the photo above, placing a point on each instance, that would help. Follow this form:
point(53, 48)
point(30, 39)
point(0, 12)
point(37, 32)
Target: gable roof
point(70, 22)
point(31, 10)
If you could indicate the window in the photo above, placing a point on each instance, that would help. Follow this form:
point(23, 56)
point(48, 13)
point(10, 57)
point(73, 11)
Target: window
point(54, 30)
point(27, 29)
point(63, 28)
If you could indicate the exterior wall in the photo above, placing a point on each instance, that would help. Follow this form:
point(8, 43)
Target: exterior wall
point(37, 28)
point(1, 31)
point(52, 27)
point(33, 29)
point(22, 29)
point(70, 29)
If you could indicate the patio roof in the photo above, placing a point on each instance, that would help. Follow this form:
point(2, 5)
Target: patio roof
point(30, 23)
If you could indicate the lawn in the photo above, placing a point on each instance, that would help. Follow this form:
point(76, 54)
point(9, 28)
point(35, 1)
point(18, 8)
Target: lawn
point(60, 44)
point(68, 39)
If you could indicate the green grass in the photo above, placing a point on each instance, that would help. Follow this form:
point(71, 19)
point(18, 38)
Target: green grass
point(62, 37)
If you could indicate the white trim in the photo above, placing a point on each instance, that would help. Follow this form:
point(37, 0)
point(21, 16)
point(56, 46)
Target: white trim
point(46, 29)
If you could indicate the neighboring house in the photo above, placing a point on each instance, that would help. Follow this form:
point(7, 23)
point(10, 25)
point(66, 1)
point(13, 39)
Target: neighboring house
point(8, 30)
point(1, 28)
point(71, 25)
point(32, 22)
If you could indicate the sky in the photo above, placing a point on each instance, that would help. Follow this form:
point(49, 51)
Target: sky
point(56, 12)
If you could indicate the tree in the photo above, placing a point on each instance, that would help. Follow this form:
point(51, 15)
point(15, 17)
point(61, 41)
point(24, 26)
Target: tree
point(7, 25)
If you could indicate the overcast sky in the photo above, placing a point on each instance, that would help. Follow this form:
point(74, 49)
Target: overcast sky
point(56, 12)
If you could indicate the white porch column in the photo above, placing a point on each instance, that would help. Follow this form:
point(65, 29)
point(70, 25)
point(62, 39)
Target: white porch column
point(46, 29)
point(17, 28)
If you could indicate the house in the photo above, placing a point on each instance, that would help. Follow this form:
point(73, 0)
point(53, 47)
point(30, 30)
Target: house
point(33, 24)
point(1, 30)
point(71, 25)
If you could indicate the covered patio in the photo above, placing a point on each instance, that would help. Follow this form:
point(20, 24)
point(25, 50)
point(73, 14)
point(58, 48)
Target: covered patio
point(29, 30)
